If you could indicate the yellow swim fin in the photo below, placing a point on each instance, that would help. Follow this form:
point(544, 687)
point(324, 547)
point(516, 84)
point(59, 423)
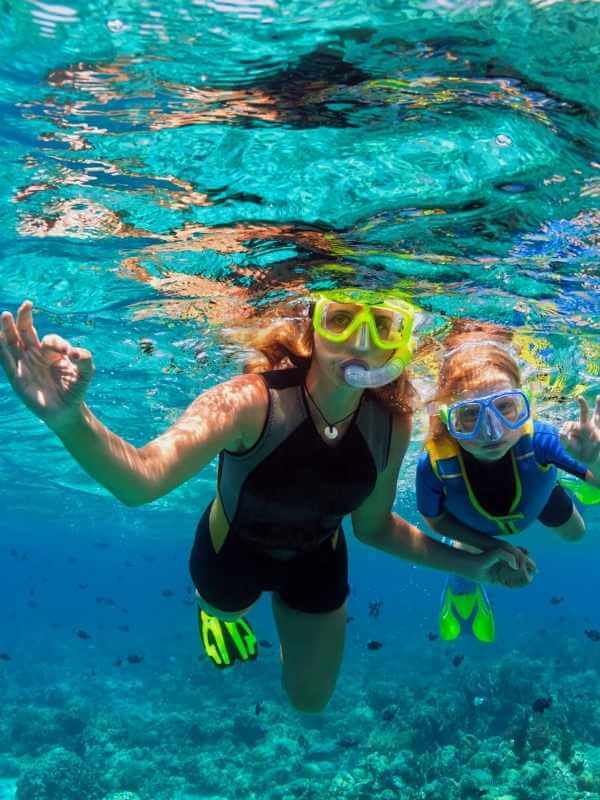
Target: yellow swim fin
point(227, 642)
point(465, 601)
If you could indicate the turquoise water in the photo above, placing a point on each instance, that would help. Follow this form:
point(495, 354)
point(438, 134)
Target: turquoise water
point(170, 170)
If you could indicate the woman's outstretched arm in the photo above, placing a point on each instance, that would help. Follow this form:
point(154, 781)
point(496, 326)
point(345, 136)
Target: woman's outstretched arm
point(51, 377)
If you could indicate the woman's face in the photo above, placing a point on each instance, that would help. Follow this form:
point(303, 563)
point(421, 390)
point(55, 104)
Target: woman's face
point(333, 357)
point(481, 447)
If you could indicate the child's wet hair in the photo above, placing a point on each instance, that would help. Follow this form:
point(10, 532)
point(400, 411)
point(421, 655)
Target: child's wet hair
point(471, 351)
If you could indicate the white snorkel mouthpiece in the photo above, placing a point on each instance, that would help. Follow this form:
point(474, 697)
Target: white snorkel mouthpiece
point(360, 377)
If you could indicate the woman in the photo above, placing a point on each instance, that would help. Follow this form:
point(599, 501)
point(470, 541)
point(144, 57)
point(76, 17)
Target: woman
point(300, 446)
point(488, 469)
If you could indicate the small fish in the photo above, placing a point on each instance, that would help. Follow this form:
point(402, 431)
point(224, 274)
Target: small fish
point(133, 658)
point(108, 601)
point(347, 742)
point(5, 657)
point(541, 704)
point(265, 643)
point(167, 593)
point(117, 662)
point(12, 552)
point(32, 591)
point(71, 560)
point(81, 634)
point(389, 713)
point(373, 644)
point(593, 634)
point(514, 188)
point(128, 564)
point(124, 628)
point(432, 636)
point(457, 660)
point(375, 607)
point(259, 707)
point(350, 619)
point(82, 586)
point(556, 599)
point(146, 346)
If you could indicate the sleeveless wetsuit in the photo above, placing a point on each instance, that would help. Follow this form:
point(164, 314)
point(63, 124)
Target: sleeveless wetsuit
point(285, 499)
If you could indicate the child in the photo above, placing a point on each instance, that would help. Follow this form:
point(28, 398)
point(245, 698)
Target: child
point(489, 469)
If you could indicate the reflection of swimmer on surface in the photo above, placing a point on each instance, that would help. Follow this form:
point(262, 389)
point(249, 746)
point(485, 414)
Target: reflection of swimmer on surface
point(78, 218)
point(223, 300)
point(489, 469)
point(302, 442)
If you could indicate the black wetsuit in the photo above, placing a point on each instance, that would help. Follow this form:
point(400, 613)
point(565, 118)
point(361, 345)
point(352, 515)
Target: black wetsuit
point(284, 500)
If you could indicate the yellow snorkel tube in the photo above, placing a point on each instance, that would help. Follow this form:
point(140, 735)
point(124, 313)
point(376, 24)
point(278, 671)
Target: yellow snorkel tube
point(386, 319)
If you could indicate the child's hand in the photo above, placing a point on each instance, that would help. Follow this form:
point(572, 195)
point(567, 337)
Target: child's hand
point(582, 439)
point(524, 562)
point(505, 575)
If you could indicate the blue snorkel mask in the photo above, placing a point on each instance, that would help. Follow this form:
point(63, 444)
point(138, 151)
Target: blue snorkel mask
point(486, 418)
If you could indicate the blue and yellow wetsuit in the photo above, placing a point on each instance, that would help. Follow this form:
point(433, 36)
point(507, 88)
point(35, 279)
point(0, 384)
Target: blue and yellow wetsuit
point(496, 498)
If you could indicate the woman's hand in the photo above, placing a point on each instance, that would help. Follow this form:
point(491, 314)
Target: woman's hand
point(51, 376)
point(523, 561)
point(500, 566)
point(582, 439)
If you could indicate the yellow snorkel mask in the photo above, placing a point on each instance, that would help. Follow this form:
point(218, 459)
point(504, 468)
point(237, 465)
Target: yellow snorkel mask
point(379, 317)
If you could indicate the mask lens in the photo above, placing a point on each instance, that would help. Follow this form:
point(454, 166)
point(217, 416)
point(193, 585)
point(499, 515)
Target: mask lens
point(390, 326)
point(338, 317)
point(464, 417)
point(512, 408)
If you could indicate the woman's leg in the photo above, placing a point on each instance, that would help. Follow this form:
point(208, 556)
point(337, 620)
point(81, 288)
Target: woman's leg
point(223, 573)
point(217, 612)
point(312, 646)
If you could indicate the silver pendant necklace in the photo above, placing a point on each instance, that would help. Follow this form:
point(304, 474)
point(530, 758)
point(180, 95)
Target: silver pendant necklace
point(330, 430)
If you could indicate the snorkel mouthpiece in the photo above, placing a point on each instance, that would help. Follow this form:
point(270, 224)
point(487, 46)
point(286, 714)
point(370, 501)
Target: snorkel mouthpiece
point(361, 377)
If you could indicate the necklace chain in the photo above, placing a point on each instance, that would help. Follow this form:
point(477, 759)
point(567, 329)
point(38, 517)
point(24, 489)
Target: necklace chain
point(330, 430)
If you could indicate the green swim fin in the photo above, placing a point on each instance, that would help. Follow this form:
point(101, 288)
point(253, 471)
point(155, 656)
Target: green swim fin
point(583, 491)
point(227, 642)
point(466, 601)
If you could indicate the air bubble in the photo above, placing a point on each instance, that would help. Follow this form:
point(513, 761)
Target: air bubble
point(115, 25)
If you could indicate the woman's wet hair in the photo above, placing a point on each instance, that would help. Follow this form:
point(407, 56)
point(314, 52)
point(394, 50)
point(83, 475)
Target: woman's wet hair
point(283, 339)
point(471, 351)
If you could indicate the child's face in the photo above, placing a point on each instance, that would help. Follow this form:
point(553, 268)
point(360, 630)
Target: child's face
point(481, 447)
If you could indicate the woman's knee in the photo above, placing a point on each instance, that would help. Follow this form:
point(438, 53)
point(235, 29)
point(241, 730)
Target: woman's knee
point(226, 616)
point(307, 699)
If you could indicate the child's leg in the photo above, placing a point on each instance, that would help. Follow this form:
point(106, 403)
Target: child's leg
point(562, 515)
point(573, 529)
